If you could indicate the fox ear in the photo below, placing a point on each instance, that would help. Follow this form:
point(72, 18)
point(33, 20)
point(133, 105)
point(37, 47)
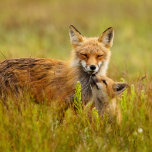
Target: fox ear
point(107, 37)
point(119, 87)
point(75, 36)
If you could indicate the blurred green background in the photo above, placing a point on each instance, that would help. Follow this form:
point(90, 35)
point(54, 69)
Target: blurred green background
point(39, 28)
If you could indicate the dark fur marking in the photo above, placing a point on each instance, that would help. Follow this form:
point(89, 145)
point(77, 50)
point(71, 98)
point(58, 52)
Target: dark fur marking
point(99, 100)
point(48, 67)
point(22, 67)
point(6, 83)
point(110, 35)
point(75, 29)
point(16, 89)
point(32, 65)
point(107, 29)
point(42, 76)
point(104, 81)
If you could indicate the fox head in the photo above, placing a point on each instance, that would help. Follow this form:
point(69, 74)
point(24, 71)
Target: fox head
point(105, 88)
point(104, 91)
point(92, 54)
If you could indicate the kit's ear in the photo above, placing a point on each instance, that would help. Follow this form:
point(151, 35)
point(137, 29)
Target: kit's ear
point(75, 36)
point(119, 87)
point(107, 37)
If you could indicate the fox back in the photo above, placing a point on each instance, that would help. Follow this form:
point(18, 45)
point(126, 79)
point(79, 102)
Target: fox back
point(48, 78)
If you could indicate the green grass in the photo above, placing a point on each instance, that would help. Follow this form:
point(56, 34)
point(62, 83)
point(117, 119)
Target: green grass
point(26, 126)
point(39, 28)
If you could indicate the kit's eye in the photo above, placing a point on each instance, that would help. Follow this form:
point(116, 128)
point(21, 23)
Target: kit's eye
point(98, 56)
point(104, 81)
point(84, 55)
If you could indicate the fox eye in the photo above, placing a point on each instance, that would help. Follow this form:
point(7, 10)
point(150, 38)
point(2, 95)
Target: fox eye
point(85, 55)
point(98, 56)
point(104, 81)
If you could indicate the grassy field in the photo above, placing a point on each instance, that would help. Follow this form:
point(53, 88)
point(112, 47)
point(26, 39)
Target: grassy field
point(39, 28)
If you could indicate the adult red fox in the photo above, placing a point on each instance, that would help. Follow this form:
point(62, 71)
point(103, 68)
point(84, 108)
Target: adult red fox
point(105, 91)
point(54, 79)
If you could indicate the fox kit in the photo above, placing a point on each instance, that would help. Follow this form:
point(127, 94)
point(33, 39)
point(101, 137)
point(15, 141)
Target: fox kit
point(56, 79)
point(105, 91)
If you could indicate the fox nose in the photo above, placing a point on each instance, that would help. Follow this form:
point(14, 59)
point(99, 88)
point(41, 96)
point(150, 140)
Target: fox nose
point(92, 67)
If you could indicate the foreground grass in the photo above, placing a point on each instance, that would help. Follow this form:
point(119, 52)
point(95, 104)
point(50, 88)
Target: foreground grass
point(27, 126)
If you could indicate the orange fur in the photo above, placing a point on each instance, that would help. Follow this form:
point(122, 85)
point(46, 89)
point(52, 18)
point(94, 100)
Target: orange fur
point(91, 51)
point(55, 79)
point(105, 91)
point(46, 78)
